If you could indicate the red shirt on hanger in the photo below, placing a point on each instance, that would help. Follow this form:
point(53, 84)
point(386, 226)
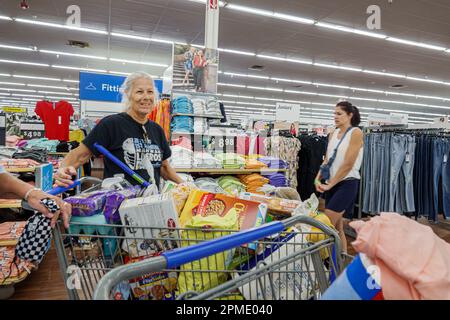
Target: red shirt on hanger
point(56, 118)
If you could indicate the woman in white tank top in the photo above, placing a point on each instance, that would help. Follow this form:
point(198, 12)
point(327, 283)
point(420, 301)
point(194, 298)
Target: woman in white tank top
point(341, 189)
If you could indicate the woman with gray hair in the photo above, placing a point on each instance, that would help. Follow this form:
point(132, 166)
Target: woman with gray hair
point(129, 136)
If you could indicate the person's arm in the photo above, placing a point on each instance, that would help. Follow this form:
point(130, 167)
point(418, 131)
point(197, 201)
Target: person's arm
point(21, 190)
point(68, 168)
point(169, 173)
point(356, 143)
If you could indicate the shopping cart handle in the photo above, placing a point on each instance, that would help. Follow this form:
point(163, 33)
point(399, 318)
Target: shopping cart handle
point(181, 256)
point(59, 190)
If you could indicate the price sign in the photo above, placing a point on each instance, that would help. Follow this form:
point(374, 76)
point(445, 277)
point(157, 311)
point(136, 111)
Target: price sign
point(223, 144)
point(32, 130)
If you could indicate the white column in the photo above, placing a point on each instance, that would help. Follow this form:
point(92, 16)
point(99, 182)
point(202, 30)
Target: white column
point(212, 24)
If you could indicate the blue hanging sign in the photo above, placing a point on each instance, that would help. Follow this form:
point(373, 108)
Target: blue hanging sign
point(104, 87)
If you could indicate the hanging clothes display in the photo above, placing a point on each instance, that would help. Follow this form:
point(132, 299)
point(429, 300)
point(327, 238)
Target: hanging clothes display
point(388, 166)
point(161, 115)
point(56, 118)
point(285, 148)
point(311, 156)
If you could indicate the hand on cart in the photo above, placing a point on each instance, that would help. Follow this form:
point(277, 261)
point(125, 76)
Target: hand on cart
point(64, 176)
point(35, 201)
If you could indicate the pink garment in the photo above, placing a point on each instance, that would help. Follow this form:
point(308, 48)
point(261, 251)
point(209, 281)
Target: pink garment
point(11, 141)
point(183, 141)
point(242, 145)
point(413, 261)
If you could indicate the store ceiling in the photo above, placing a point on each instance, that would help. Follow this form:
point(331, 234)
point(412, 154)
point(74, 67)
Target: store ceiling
point(425, 21)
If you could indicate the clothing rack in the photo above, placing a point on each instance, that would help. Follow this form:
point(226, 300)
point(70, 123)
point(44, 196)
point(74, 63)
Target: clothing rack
point(443, 131)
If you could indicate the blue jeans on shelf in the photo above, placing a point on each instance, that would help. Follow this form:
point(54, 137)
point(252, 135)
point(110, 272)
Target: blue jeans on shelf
point(367, 156)
point(407, 187)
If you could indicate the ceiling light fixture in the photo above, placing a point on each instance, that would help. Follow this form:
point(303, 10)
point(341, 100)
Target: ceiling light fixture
point(416, 44)
point(24, 62)
point(154, 64)
point(244, 53)
point(73, 54)
point(61, 26)
point(37, 78)
point(78, 68)
point(4, 46)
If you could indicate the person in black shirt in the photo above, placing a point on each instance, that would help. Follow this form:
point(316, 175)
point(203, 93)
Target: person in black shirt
point(129, 136)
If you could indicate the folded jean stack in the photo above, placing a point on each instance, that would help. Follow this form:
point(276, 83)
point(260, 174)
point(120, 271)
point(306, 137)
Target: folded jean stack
point(209, 184)
point(253, 182)
point(206, 160)
point(231, 185)
point(231, 160)
point(181, 157)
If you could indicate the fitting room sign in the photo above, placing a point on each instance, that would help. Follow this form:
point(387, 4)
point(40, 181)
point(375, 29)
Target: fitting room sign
point(104, 87)
point(288, 112)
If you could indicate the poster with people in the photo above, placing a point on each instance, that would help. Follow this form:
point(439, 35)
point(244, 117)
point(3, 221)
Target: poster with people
point(195, 69)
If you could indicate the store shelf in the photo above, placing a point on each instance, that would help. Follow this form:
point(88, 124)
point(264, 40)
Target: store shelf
point(20, 170)
point(11, 204)
point(228, 171)
point(196, 115)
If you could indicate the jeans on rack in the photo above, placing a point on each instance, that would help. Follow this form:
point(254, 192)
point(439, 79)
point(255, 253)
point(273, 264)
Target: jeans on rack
point(441, 148)
point(366, 178)
point(407, 188)
point(398, 153)
point(388, 169)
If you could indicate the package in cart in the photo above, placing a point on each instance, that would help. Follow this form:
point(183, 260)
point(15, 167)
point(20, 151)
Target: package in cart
point(151, 224)
point(250, 213)
point(295, 281)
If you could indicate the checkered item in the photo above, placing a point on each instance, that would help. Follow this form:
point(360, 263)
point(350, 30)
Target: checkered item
point(35, 239)
point(50, 204)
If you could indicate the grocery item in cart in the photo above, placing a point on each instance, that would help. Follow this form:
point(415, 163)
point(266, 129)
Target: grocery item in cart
point(295, 281)
point(150, 225)
point(203, 227)
point(113, 201)
point(250, 213)
point(88, 204)
point(277, 205)
point(154, 286)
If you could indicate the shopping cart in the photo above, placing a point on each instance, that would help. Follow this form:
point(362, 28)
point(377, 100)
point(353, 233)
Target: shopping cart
point(286, 264)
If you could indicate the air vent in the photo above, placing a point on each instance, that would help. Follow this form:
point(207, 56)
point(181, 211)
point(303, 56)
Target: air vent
point(79, 44)
point(398, 86)
point(257, 67)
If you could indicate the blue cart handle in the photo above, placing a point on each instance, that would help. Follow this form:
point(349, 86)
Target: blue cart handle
point(59, 190)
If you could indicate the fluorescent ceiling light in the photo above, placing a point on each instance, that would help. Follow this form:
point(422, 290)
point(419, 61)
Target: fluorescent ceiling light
point(385, 74)
point(50, 87)
point(5, 18)
point(18, 90)
point(15, 47)
point(128, 36)
point(337, 67)
point(250, 10)
point(288, 17)
point(350, 30)
point(154, 64)
point(25, 63)
point(5, 75)
point(78, 68)
point(72, 81)
point(266, 89)
point(52, 92)
point(245, 53)
point(284, 59)
point(73, 54)
point(245, 75)
point(12, 83)
point(231, 85)
point(425, 80)
point(289, 80)
point(416, 44)
point(37, 78)
point(62, 26)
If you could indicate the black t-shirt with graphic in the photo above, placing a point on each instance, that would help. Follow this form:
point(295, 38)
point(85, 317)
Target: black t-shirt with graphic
point(129, 142)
